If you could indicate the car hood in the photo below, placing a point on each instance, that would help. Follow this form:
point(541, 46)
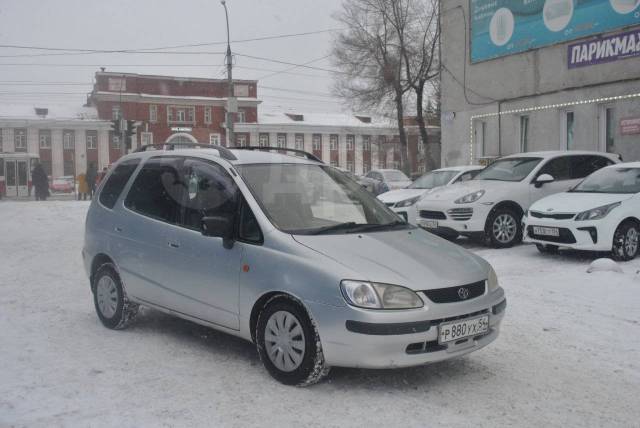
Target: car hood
point(412, 258)
point(399, 184)
point(458, 190)
point(575, 202)
point(400, 195)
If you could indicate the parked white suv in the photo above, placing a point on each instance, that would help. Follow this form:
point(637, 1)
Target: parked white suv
point(491, 205)
point(403, 201)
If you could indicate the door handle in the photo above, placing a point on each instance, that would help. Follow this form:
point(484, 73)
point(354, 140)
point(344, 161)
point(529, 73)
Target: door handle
point(118, 229)
point(173, 244)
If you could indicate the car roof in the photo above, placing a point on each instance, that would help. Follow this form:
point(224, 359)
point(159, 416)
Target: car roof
point(625, 165)
point(555, 153)
point(460, 168)
point(243, 157)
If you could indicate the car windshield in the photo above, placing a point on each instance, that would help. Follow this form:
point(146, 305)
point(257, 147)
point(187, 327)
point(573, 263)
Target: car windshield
point(433, 179)
point(511, 169)
point(611, 180)
point(394, 175)
point(314, 199)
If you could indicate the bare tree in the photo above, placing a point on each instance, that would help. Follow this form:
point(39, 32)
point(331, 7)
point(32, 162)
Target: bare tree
point(370, 59)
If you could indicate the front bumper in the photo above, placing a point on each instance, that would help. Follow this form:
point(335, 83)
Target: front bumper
point(353, 337)
point(596, 235)
point(449, 218)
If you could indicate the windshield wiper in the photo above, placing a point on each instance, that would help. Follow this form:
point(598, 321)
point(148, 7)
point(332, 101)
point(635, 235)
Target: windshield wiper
point(371, 227)
point(334, 227)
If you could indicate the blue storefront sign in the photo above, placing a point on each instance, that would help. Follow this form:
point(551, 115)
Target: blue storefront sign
point(504, 27)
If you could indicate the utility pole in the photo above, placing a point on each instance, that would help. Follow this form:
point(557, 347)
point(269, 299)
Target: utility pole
point(232, 105)
point(121, 121)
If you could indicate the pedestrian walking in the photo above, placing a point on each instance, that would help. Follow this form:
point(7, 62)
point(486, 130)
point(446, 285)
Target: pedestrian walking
point(83, 187)
point(92, 175)
point(40, 182)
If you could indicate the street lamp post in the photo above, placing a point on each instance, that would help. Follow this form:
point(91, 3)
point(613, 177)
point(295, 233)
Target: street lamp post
point(232, 106)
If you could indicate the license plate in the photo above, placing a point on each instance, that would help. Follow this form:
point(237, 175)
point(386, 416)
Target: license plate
point(546, 231)
point(456, 330)
point(429, 224)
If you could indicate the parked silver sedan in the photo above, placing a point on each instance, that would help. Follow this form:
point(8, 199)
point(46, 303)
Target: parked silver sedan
point(285, 252)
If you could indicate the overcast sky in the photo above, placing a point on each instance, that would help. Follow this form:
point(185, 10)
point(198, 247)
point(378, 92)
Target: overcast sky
point(141, 24)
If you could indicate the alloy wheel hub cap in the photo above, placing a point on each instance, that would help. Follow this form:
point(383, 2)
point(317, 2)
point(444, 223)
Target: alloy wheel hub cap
point(504, 228)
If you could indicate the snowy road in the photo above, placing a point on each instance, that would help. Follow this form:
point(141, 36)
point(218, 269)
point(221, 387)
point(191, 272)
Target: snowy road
point(568, 355)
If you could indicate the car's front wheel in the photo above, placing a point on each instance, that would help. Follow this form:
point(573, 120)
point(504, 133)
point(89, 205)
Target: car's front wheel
point(289, 344)
point(112, 305)
point(625, 241)
point(503, 228)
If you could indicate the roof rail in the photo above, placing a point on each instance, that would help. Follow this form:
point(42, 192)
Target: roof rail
point(225, 153)
point(302, 152)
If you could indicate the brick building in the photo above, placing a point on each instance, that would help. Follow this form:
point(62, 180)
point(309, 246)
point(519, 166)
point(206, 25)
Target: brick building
point(170, 108)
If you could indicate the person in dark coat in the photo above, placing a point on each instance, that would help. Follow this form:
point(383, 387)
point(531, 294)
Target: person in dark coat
point(92, 174)
point(40, 182)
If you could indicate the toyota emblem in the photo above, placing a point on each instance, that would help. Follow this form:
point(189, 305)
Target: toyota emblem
point(463, 293)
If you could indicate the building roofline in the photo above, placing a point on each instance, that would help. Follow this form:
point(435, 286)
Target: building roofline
point(176, 78)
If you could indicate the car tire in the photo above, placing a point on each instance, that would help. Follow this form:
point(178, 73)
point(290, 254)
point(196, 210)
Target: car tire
point(547, 249)
point(283, 322)
point(625, 241)
point(503, 228)
point(112, 305)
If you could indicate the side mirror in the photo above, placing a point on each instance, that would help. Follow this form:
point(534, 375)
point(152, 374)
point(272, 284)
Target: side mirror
point(219, 227)
point(543, 179)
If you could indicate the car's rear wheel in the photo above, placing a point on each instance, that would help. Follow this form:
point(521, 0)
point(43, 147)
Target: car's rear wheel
point(551, 249)
point(112, 305)
point(625, 241)
point(503, 228)
point(289, 344)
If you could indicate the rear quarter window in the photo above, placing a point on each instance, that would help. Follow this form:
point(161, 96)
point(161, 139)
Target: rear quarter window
point(117, 180)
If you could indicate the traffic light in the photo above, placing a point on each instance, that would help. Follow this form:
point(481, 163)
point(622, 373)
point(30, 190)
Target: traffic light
point(130, 131)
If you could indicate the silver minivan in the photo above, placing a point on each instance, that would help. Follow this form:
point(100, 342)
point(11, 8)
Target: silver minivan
point(288, 253)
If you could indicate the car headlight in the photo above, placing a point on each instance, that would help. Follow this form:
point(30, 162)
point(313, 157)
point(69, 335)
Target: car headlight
point(371, 295)
point(492, 280)
point(471, 197)
point(596, 213)
point(407, 202)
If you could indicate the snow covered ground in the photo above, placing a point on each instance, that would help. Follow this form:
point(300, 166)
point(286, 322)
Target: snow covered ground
point(568, 355)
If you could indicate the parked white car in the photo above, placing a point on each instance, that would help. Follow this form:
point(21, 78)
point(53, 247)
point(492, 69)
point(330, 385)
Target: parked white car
point(600, 214)
point(403, 201)
point(491, 205)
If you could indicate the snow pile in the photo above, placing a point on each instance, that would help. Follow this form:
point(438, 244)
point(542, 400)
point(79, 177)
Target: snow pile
point(604, 265)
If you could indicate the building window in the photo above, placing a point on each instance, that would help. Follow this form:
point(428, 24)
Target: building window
point(44, 137)
point(1, 149)
point(240, 90)
point(333, 142)
point(334, 163)
point(146, 138)
point(20, 139)
point(116, 113)
point(420, 146)
point(569, 118)
point(263, 140)
point(366, 167)
point(118, 84)
point(299, 141)
point(282, 141)
point(421, 169)
point(351, 142)
point(366, 143)
point(68, 167)
point(241, 140)
point(68, 140)
point(316, 142)
point(609, 129)
point(207, 115)
point(115, 141)
point(351, 167)
point(480, 130)
point(179, 114)
point(153, 113)
point(214, 139)
point(524, 134)
point(92, 140)
point(240, 116)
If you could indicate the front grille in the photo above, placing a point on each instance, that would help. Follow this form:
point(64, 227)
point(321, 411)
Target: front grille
point(565, 236)
point(460, 214)
point(538, 214)
point(435, 215)
point(454, 294)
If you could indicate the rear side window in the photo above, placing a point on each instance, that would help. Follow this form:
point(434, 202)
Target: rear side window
point(558, 168)
point(586, 165)
point(117, 180)
point(157, 190)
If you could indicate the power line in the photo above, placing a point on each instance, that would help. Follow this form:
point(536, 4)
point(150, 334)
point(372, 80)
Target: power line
point(290, 63)
point(267, 76)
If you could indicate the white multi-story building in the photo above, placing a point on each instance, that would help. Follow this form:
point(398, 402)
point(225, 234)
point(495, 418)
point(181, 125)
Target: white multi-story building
point(65, 139)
